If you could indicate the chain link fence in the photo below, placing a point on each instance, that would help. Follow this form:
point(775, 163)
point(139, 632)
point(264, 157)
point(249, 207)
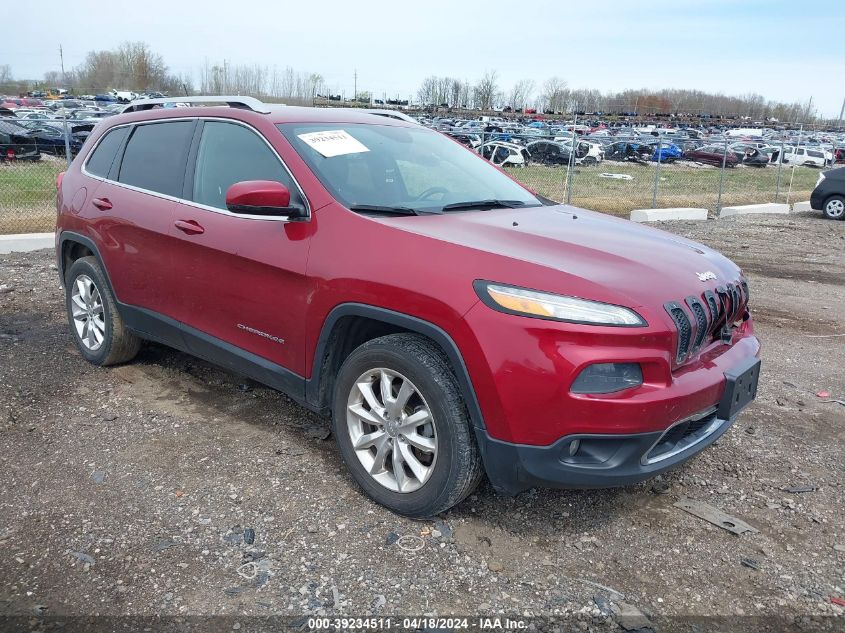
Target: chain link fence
point(614, 174)
point(621, 173)
point(32, 154)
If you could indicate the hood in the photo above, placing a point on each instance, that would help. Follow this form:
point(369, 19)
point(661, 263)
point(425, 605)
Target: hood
point(591, 255)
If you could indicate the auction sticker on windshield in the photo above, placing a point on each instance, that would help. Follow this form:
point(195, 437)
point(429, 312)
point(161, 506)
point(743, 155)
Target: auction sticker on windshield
point(333, 143)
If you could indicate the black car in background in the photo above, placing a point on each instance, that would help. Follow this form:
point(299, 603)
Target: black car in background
point(829, 194)
point(49, 136)
point(548, 152)
point(754, 157)
point(15, 143)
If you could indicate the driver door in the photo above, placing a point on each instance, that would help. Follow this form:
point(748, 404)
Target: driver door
point(243, 279)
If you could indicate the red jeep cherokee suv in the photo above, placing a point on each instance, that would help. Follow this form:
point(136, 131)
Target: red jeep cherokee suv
point(449, 321)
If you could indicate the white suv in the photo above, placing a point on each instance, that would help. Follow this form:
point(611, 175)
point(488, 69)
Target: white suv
point(804, 156)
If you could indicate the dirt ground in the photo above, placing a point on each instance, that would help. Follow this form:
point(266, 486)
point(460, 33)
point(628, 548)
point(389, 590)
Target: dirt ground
point(132, 491)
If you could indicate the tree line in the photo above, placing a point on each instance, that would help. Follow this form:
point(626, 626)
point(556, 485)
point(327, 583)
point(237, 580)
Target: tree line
point(134, 66)
point(555, 96)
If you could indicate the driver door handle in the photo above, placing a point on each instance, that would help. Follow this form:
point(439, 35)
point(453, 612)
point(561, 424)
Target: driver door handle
point(191, 227)
point(103, 204)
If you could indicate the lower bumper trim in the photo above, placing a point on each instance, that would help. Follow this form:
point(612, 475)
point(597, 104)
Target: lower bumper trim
point(599, 461)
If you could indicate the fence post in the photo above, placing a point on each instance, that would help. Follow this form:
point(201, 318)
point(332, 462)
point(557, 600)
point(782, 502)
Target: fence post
point(67, 140)
point(780, 168)
point(657, 173)
point(570, 167)
point(722, 177)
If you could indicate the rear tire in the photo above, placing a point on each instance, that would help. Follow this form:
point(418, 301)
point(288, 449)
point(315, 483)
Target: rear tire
point(95, 323)
point(437, 462)
point(834, 208)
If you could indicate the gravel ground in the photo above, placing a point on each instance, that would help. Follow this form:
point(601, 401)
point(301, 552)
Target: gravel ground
point(138, 490)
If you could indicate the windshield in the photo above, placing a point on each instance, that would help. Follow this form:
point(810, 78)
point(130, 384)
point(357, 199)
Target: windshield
point(370, 165)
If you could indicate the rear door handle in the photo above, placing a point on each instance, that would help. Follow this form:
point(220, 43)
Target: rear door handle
point(191, 227)
point(103, 204)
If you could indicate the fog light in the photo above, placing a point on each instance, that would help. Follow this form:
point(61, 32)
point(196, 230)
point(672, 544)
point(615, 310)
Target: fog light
point(608, 378)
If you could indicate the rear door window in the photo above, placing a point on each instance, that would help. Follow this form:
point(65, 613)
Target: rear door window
point(230, 153)
point(155, 157)
point(101, 159)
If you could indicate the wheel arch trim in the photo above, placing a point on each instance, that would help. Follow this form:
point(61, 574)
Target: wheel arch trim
point(87, 242)
point(405, 321)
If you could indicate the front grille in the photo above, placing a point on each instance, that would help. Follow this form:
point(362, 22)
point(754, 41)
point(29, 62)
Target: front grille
point(701, 324)
point(733, 291)
point(684, 327)
point(699, 320)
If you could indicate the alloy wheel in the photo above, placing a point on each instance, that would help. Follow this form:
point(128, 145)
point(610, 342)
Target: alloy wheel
point(835, 208)
point(87, 312)
point(392, 430)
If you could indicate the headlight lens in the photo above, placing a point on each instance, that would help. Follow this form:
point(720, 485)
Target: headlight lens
point(532, 303)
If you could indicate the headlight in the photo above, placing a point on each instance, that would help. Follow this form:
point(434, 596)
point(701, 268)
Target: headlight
point(532, 303)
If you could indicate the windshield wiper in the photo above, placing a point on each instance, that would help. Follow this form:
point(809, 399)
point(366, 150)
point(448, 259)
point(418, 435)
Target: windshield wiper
point(485, 204)
point(377, 208)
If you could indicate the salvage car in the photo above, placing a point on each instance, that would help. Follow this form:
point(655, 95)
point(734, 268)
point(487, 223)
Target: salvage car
point(587, 154)
point(829, 194)
point(505, 154)
point(449, 322)
point(628, 151)
point(15, 143)
point(712, 155)
point(50, 136)
point(755, 157)
point(665, 152)
point(803, 156)
point(552, 153)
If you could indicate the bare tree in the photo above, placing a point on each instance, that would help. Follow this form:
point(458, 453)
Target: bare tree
point(555, 94)
point(520, 94)
point(486, 90)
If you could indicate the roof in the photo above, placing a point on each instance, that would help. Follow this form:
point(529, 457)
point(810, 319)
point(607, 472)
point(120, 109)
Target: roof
point(272, 112)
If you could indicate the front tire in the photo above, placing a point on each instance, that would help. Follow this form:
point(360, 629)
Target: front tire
point(95, 323)
point(402, 427)
point(834, 208)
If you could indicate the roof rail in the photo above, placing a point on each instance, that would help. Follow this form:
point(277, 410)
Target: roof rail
point(244, 103)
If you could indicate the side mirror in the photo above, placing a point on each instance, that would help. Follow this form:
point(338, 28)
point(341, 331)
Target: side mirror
point(263, 197)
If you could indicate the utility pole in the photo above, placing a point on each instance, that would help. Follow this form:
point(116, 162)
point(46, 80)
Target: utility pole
point(841, 112)
point(68, 156)
point(355, 93)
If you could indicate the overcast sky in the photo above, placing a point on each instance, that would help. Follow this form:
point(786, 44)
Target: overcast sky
point(784, 50)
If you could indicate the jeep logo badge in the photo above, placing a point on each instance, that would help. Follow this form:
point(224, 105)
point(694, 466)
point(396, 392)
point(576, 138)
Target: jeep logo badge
point(708, 274)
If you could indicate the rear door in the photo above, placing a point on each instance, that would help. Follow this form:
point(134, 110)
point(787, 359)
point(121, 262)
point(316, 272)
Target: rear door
point(131, 210)
point(243, 278)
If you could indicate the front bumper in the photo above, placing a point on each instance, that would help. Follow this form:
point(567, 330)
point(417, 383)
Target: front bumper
point(608, 461)
point(605, 460)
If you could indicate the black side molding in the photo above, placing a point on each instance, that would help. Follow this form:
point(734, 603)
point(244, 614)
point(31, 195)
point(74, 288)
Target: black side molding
point(162, 329)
